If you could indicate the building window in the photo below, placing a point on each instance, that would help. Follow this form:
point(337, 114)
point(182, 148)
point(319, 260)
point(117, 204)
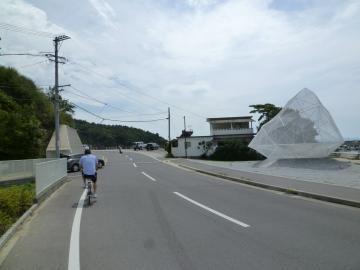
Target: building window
point(222, 126)
point(240, 125)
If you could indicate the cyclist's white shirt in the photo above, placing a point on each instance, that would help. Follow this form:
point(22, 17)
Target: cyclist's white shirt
point(88, 163)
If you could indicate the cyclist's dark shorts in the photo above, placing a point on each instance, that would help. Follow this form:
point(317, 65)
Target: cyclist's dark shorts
point(91, 177)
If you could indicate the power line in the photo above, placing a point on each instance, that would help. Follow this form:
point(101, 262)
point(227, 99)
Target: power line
point(25, 30)
point(134, 88)
point(85, 95)
point(89, 112)
point(118, 90)
point(26, 54)
point(117, 120)
point(33, 64)
point(136, 121)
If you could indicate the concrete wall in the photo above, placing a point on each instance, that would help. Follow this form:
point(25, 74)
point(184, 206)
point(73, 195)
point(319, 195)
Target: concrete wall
point(196, 148)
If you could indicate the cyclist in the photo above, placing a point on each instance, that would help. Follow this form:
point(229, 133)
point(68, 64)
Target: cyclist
point(89, 166)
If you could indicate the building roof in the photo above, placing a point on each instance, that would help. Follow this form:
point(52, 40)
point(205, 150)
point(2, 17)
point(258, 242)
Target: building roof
point(206, 136)
point(230, 118)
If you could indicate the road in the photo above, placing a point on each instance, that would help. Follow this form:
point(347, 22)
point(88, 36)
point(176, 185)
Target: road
point(151, 215)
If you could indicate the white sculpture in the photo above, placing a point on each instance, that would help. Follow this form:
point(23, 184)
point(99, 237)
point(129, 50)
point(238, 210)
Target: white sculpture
point(302, 129)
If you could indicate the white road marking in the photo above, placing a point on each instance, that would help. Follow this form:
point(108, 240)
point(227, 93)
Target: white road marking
point(213, 211)
point(130, 159)
point(148, 176)
point(134, 165)
point(74, 251)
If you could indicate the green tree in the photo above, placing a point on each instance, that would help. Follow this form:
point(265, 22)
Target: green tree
point(26, 117)
point(267, 111)
point(100, 135)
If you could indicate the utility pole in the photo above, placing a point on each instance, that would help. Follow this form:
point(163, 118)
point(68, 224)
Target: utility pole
point(185, 137)
point(57, 41)
point(169, 139)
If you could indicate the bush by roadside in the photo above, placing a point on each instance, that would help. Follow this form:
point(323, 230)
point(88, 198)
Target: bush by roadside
point(234, 151)
point(14, 201)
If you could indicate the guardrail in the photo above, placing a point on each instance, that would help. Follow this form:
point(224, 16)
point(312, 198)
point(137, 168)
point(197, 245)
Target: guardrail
point(48, 174)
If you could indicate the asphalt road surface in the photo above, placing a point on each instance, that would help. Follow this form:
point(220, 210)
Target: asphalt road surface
point(151, 215)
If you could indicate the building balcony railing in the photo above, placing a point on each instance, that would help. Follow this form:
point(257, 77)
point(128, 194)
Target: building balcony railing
point(239, 131)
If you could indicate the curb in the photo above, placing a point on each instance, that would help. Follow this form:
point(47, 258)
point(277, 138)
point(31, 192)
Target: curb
point(10, 232)
point(302, 193)
point(50, 190)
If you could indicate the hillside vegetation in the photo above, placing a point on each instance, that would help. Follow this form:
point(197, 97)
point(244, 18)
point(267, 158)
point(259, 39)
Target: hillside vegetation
point(99, 135)
point(26, 117)
point(27, 121)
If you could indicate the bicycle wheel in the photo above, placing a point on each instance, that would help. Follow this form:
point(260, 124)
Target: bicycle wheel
point(89, 199)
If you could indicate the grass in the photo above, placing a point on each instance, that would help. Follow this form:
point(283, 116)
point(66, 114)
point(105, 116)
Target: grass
point(14, 201)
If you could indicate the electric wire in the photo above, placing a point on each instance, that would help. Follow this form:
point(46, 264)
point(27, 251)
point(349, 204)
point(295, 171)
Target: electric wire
point(26, 54)
point(133, 100)
point(25, 30)
point(85, 95)
point(116, 120)
point(136, 89)
point(33, 64)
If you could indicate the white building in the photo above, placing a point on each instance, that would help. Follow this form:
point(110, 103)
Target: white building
point(196, 146)
point(221, 129)
point(232, 127)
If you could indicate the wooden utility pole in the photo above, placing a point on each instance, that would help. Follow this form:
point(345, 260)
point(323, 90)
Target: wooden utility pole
point(57, 41)
point(169, 138)
point(185, 137)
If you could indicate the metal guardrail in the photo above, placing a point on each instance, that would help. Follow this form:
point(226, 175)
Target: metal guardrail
point(48, 173)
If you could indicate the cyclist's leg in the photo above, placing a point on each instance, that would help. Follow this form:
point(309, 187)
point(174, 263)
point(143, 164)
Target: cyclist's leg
point(94, 182)
point(83, 177)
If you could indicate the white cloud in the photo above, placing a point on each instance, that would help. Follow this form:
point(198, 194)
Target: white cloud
point(105, 11)
point(214, 59)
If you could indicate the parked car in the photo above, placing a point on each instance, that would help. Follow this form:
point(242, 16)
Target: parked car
point(152, 146)
point(73, 164)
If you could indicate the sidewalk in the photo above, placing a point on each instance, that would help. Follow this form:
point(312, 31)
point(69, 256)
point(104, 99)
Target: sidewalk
point(321, 191)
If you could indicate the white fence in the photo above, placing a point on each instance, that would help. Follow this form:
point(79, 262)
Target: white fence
point(18, 169)
point(48, 173)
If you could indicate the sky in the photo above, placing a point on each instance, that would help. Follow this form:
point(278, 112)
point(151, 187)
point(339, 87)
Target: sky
point(202, 58)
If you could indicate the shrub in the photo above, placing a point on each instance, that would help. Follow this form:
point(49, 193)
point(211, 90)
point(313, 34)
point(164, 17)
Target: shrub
point(14, 201)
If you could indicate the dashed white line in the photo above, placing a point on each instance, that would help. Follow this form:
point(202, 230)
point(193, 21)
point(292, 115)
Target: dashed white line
point(213, 211)
point(74, 251)
point(148, 176)
point(134, 164)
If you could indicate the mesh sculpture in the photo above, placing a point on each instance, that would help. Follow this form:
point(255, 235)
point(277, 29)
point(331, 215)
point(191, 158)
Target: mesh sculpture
point(302, 129)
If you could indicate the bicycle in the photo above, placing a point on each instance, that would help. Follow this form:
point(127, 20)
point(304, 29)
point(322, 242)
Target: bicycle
point(89, 193)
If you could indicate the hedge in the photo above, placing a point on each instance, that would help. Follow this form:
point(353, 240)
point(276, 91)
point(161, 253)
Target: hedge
point(14, 201)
